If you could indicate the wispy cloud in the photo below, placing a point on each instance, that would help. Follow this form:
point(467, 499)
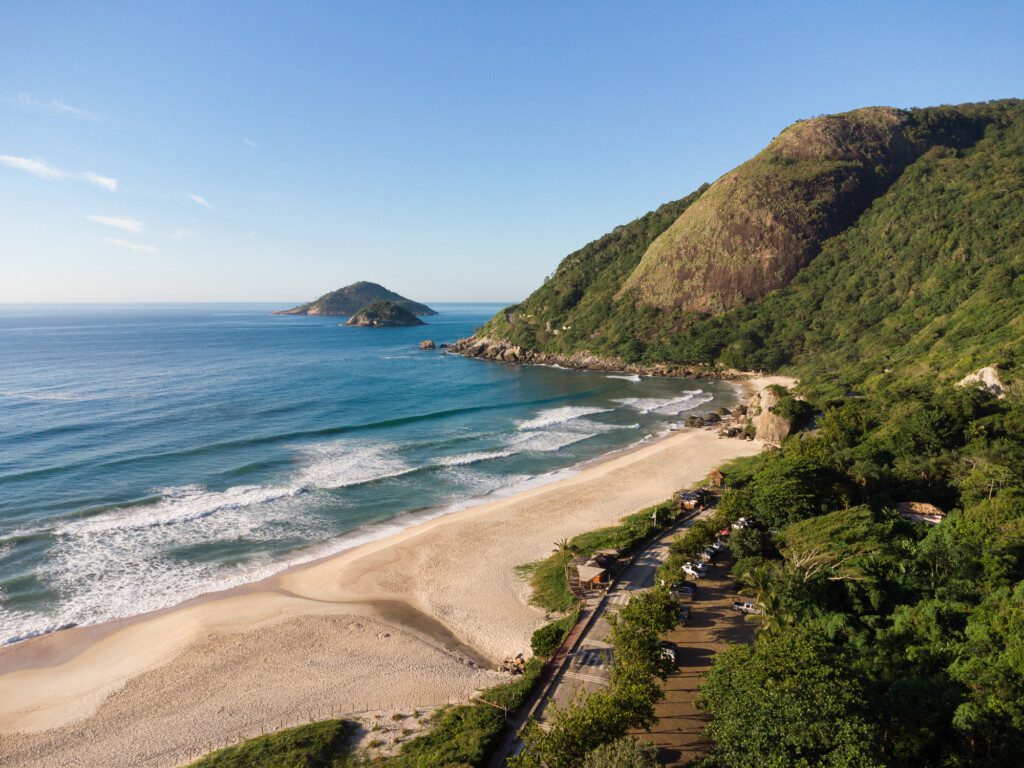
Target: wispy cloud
point(54, 106)
point(100, 181)
point(250, 143)
point(182, 234)
point(126, 223)
point(46, 171)
point(132, 246)
point(200, 200)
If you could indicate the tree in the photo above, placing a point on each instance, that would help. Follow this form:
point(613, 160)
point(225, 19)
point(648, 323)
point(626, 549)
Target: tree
point(991, 667)
point(623, 753)
point(788, 700)
point(792, 488)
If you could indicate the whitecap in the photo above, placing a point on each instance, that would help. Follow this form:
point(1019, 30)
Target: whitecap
point(625, 376)
point(472, 458)
point(552, 416)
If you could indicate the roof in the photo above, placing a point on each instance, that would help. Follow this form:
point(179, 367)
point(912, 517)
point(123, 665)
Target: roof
point(610, 552)
point(920, 511)
point(589, 572)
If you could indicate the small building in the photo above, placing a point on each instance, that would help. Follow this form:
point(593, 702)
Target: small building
point(920, 512)
point(591, 576)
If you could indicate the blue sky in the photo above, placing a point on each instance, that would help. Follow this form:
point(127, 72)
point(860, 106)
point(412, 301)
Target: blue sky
point(452, 151)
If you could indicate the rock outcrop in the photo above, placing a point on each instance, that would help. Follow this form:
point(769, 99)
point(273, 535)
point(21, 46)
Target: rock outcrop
point(427, 344)
point(986, 378)
point(769, 427)
point(505, 352)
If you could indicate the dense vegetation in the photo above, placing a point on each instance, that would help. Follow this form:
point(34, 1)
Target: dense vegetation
point(930, 279)
point(883, 642)
point(324, 744)
point(351, 298)
point(383, 314)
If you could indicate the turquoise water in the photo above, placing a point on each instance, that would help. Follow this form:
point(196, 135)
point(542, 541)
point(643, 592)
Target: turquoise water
point(149, 454)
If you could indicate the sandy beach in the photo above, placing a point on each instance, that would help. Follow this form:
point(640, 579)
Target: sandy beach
point(408, 622)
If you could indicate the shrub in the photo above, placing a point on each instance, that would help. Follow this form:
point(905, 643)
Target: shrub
point(546, 639)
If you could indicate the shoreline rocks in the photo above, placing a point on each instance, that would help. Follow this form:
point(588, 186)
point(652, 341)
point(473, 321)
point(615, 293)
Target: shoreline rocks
point(486, 348)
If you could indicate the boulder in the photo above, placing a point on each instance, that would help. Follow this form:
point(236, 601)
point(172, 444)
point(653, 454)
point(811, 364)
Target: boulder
point(986, 378)
point(427, 344)
point(769, 427)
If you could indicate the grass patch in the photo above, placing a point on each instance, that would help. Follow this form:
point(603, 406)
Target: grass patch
point(547, 577)
point(324, 744)
point(546, 639)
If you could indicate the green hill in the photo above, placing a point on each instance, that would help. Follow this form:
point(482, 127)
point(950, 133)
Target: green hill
point(876, 240)
point(384, 314)
point(352, 298)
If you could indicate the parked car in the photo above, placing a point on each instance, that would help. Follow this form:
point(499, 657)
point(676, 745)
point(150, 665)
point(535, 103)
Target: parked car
point(718, 546)
point(696, 570)
point(684, 614)
point(743, 522)
point(686, 588)
point(683, 594)
point(668, 651)
point(724, 532)
point(745, 606)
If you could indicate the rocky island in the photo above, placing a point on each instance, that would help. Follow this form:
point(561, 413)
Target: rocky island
point(384, 314)
point(350, 299)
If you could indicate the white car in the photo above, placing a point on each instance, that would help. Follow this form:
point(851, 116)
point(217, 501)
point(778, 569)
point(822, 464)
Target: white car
point(748, 608)
point(741, 523)
point(696, 570)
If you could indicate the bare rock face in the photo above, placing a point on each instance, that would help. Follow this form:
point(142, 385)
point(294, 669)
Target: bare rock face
point(427, 344)
point(770, 427)
point(986, 378)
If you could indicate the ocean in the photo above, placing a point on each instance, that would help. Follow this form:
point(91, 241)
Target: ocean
point(153, 453)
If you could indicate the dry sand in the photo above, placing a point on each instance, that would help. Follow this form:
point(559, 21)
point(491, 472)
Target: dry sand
point(400, 624)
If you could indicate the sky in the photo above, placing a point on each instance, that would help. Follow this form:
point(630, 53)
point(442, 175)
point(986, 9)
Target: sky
point(452, 151)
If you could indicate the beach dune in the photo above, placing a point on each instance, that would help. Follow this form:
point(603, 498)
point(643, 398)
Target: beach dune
point(411, 621)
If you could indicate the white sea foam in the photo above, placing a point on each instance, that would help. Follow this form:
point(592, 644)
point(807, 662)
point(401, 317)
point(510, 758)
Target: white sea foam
point(472, 458)
point(670, 406)
point(552, 416)
point(48, 395)
point(179, 505)
point(342, 464)
point(625, 376)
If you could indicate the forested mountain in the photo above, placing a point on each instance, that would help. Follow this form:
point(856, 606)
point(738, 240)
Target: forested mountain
point(352, 298)
point(876, 241)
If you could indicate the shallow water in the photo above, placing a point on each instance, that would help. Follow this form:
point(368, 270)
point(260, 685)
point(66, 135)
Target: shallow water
point(149, 454)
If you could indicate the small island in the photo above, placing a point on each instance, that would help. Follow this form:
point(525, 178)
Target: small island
point(384, 314)
point(352, 298)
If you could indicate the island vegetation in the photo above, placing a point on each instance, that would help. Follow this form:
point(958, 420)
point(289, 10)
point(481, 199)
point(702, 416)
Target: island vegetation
point(350, 299)
point(383, 314)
